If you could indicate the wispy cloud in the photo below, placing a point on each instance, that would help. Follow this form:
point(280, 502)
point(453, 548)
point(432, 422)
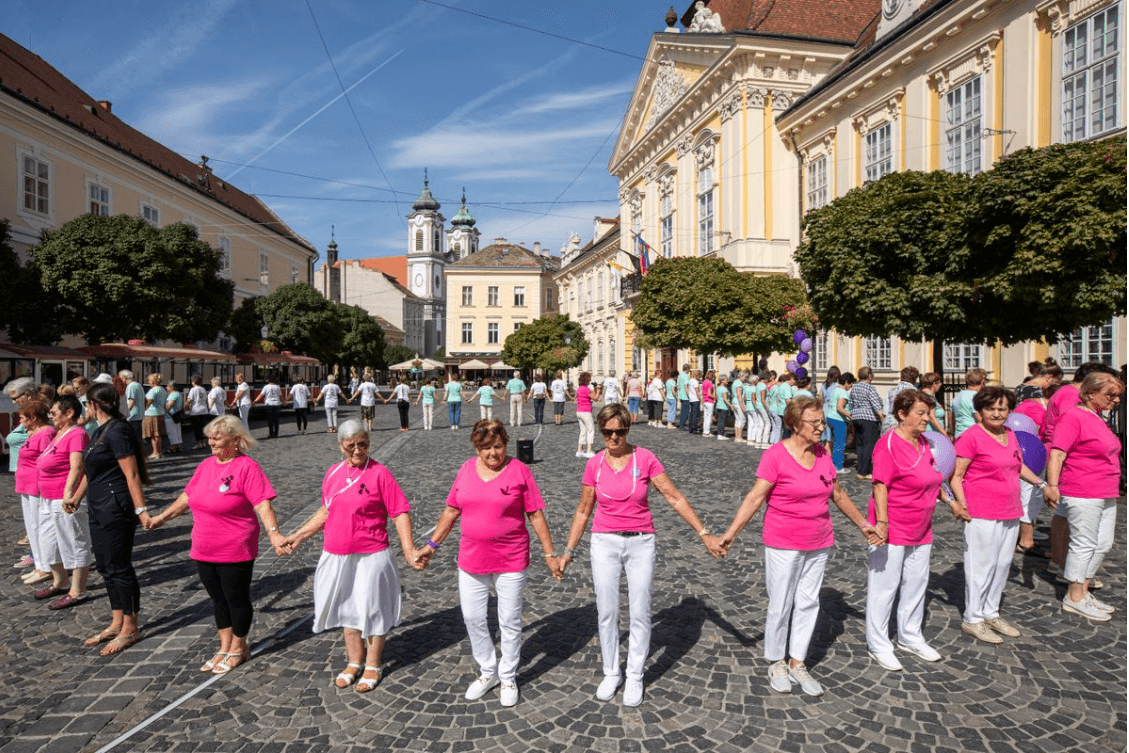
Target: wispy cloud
point(492, 146)
point(575, 100)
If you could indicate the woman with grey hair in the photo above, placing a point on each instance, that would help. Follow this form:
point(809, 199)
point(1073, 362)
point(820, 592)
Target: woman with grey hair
point(356, 586)
point(21, 391)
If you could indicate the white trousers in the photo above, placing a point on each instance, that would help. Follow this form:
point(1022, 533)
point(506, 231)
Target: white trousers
point(738, 415)
point(331, 417)
point(776, 422)
point(486, 412)
point(72, 531)
point(793, 579)
point(988, 549)
point(901, 571)
point(515, 409)
point(245, 415)
point(707, 417)
point(48, 535)
point(172, 429)
point(474, 593)
point(634, 555)
point(756, 426)
point(30, 505)
point(1031, 497)
point(587, 430)
point(1093, 523)
point(428, 412)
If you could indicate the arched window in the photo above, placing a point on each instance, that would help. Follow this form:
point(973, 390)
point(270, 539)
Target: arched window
point(705, 211)
point(666, 227)
point(419, 240)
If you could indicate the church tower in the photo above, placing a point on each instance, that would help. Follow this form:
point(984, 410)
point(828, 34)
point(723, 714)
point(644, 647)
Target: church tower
point(462, 238)
point(426, 262)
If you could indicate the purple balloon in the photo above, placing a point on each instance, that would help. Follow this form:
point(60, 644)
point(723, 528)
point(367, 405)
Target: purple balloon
point(805, 345)
point(1018, 422)
point(792, 366)
point(801, 372)
point(943, 452)
point(1034, 452)
point(801, 357)
point(800, 336)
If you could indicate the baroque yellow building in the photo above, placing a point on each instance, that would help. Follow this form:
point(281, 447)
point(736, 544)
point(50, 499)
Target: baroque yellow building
point(762, 110)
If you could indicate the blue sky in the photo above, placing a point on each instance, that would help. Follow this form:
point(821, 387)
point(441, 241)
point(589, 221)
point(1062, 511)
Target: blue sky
point(512, 115)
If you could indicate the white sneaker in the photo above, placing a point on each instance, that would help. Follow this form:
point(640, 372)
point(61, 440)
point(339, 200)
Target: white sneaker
point(1084, 608)
point(509, 693)
point(479, 687)
point(921, 650)
point(579, 454)
point(589, 454)
point(1099, 604)
point(778, 677)
point(887, 660)
point(608, 686)
point(633, 693)
point(799, 676)
point(722, 438)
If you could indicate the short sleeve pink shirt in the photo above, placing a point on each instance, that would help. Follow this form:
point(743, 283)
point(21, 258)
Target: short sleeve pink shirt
point(621, 497)
point(492, 517)
point(583, 399)
point(27, 481)
point(1066, 396)
point(360, 502)
point(991, 483)
point(54, 464)
point(1091, 469)
point(223, 497)
point(913, 481)
point(798, 514)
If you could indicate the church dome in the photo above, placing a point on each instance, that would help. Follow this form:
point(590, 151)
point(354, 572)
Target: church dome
point(425, 201)
point(463, 218)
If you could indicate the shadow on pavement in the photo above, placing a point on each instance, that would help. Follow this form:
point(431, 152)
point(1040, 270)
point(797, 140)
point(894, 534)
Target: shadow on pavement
point(555, 639)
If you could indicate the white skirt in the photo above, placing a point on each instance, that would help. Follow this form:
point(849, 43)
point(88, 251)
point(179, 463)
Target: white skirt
point(358, 591)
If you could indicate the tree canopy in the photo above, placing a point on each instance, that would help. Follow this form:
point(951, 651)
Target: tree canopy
point(541, 345)
point(707, 305)
point(362, 339)
point(118, 278)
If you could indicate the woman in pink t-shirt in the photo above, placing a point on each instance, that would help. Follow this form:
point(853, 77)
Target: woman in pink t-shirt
point(709, 403)
point(584, 416)
point(796, 482)
point(225, 493)
point(616, 482)
point(986, 497)
point(907, 482)
point(1085, 466)
point(356, 586)
point(64, 524)
point(37, 424)
point(492, 496)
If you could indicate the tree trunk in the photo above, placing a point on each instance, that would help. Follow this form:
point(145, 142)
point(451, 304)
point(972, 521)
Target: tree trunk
point(939, 361)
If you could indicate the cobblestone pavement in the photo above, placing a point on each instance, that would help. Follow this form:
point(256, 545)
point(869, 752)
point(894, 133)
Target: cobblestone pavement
point(1061, 687)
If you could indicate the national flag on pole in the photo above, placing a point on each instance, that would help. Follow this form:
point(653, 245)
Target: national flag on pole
point(644, 257)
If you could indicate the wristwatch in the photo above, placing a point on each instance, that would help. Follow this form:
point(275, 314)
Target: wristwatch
point(139, 510)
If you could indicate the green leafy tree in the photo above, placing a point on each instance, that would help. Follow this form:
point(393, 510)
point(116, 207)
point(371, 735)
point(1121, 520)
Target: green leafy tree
point(299, 319)
point(541, 345)
point(30, 313)
point(439, 354)
point(362, 339)
point(398, 354)
point(246, 326)
point(118, 278)
point(707, 305)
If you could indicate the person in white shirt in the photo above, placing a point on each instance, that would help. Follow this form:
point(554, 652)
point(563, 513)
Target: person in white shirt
point(331, 393)
point(537, 392)
point(271, 397)
point(694, 395)
point(655, 401)
point(300, 396)
point(217, 398)
point(242, 400)
point(402, 393)
point(367, 392)
point(610, 391)
point(198, 411)
point(559, 391)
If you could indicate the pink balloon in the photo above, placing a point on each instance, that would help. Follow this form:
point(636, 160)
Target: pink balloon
point(1020, 422)
point(792, 366)
point(943, 452)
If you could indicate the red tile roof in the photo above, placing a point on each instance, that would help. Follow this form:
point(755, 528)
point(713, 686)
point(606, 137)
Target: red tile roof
point(831, 20)
point(28, 77)
point(396, 266)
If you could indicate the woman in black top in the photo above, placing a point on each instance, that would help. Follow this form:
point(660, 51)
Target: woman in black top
point(115, 471)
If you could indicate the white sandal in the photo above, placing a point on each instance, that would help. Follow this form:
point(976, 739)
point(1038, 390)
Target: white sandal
point(347, 677)
point(364, 684)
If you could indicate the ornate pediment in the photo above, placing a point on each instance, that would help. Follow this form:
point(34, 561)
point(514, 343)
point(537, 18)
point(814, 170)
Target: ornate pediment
point(669, 86)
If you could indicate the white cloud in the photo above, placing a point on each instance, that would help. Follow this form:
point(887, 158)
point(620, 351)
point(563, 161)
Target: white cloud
point(494, 147)
point(575, 100)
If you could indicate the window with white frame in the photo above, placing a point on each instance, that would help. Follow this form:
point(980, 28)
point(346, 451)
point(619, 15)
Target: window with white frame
point(1087, 344)
point(963, 118)
point(705, 211)
point(517, 326)
point(1091, 93)
point(591, 286)
point(548, 298)
point(817, 183)
point(600, 356)
point(880, 151)
point(611, 353)
point(492, 295)
point(962, 356)
point(99, 197)
point(224, 244)
point(293, 273)
point(821, 356)
point(151, 214)
point(264, 269)
point(37, 185)
point(666, 228)
point(519, 295)
point(468, 333)
point(711, 362)
point(468, 295)
point(636, 359)
point(600, 289)
point(492, 333)
point(877, 353)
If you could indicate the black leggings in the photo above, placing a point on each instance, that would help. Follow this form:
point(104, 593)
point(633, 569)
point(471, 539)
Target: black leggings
point(403, 406)
point(300, 417)
point(198, 423)
point(113, 558)
point(229, 585)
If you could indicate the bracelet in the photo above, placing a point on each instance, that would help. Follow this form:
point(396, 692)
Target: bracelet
point(1043, 485)
point(272, 529)
point(139, 510)
point(881, 521)
point(705, 532)
point(551, 555)
point(431, 544)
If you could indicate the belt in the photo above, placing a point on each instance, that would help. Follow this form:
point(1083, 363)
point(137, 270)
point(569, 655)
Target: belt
point(627, 534)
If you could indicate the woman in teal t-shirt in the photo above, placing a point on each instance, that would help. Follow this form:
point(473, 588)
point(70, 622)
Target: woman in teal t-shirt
point(453, 395)
point(838, 416)
point(671, 400)
point(485, 397)
point(153, 421)
point(427, 395)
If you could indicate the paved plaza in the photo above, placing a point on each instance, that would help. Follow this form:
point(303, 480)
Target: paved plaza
point(1061, 687)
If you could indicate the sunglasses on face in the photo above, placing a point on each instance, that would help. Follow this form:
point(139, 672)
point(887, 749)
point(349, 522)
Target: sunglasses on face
point(614, 432)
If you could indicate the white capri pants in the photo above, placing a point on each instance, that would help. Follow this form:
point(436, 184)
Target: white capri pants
point(756, 426)
point(988, 549)
point(474, 593)
point(428, 411)
point(172, 429)
point(48, 535)
point(73, 534)
point(902, 571)
point(30, 505)
point(738, 415)
point(766, 425)
point(331, 416)
point(587, 429)
point(245, 415)
point(707, 417)
point(793, 579)
point(1031, 497)
point(1093, 523)
point(613, 554)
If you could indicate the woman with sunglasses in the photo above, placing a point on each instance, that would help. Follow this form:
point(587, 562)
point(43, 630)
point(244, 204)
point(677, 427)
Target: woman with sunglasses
point(616, 482)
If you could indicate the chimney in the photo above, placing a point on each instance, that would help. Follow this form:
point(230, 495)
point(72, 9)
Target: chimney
point(537, 247)
point(106, 105)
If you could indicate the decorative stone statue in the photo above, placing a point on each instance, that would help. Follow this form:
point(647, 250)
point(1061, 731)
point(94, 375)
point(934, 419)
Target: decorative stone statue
point(705, 20)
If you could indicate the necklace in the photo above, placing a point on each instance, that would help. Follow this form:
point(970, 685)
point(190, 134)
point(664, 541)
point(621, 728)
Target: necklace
point(920, 451)
point(349, 480)
point(634, 476)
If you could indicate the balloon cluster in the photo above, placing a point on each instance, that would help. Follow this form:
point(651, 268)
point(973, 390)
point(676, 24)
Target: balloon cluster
point(796, 365)
point(1026, 434)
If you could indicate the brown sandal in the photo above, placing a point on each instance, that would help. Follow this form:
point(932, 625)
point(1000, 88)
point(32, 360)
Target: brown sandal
point(106, 635)
point(121, 643)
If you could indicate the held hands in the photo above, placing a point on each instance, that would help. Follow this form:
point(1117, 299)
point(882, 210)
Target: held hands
point(419, 558)
point(279, 542)
point(555, 566)
point(716, 546)
point(875, 535)
point(960, 511)
point(1051, 496)
point(154, 522)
